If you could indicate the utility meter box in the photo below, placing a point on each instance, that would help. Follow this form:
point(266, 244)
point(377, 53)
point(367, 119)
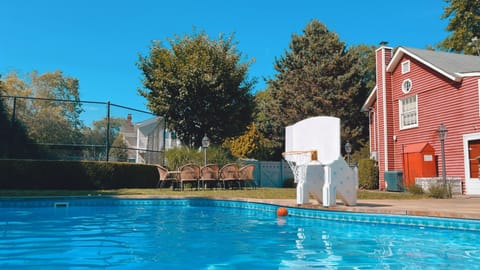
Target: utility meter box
point(394, 181)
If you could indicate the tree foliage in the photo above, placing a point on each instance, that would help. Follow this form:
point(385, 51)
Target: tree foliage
point(464, 25)
point(119, 151)
point(45, 114)
point(317, 76)
point(251, 144)
point(199, 85)
point(97, 134)
point(178, 156)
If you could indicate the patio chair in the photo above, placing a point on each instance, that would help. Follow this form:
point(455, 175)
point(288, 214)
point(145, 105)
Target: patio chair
point(228, 175)
point(209, 175)
point(166, 177)
point(189, 173)
point(245, 176)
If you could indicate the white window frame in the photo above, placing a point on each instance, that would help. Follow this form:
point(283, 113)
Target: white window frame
point(405, 66)
point(408, 119)
point(404, 90)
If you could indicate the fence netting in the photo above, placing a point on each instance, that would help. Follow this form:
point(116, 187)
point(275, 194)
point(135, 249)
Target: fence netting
point(55, 129)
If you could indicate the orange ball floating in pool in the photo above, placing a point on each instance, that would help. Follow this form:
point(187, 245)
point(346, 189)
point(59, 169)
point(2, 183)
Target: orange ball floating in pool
point(282, 211)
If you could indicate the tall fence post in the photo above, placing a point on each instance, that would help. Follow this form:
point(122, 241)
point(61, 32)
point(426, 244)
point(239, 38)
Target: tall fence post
point(107, 141)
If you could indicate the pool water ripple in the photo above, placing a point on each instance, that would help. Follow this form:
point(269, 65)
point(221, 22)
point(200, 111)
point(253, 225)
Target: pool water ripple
point(206, 234)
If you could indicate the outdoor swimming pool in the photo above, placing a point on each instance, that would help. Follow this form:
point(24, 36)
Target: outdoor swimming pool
point(108, 233)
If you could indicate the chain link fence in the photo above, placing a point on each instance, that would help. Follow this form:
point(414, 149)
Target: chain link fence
point(56, 129)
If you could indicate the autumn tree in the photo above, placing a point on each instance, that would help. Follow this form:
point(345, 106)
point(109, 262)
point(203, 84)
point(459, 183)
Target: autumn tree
point(317, 76)
point(464, 25)
point(51, 108)
point(199, 85)
point(251, 144)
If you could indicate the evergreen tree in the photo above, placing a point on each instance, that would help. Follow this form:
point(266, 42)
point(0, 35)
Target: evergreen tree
point(320, 76)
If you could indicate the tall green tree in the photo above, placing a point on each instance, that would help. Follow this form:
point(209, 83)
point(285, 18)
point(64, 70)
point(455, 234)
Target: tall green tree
point(119, 151)
point(96, 136)
point(318, 75)
point(200, 85)
point(46, 117)
point(464, 25)
point(268, 124)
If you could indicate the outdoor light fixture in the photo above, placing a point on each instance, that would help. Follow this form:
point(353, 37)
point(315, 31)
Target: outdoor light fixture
point(205, 145)
point(348, 150)
point(442, 135)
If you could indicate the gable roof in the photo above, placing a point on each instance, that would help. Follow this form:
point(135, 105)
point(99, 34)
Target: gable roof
point(372, 97)
point(452, 65)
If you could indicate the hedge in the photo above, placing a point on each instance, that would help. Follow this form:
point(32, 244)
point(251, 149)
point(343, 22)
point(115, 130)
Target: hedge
point(43, 174)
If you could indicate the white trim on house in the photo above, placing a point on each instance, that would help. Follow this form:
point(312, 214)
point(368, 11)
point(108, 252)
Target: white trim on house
point(469, 74)
point(407, 86)
point(401, 112)
point(372, 98)
point(472, 185)
point(401, 51)
point(405, 66)
point(384, 96)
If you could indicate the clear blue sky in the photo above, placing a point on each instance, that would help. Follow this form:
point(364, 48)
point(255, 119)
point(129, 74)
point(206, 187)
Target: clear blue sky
point(98, 41)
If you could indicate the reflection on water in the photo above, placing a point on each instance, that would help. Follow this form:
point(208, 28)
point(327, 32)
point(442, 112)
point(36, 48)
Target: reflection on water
point(154, 237)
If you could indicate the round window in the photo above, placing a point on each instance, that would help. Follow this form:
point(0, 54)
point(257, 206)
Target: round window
point(406, 86)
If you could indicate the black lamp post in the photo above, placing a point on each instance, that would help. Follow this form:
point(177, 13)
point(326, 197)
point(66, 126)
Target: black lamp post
point(348, 150)
point(442, 135)
point(205, 145)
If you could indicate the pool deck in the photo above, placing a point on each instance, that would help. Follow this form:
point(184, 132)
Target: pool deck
point(465, 207)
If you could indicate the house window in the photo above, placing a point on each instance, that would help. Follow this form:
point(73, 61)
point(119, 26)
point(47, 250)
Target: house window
point(408, 112)
point(406, 86)
point(405, 67)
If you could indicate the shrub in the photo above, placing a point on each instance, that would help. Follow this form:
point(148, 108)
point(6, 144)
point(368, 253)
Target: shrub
point(44, 174)
point(440, 192)
point(415, 189)
point(367, 174)
point(176, 157)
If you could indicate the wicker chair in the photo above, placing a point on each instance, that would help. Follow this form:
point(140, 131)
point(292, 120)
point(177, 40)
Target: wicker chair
point(166, 177)
point(209, 175)
point(245, 176)
point(189, 173)
point(228, 175)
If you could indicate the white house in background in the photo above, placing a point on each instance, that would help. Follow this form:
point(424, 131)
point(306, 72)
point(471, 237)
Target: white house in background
point(147, 139)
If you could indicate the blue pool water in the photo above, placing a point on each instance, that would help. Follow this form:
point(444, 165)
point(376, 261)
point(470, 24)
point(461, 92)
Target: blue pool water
point(207, 234)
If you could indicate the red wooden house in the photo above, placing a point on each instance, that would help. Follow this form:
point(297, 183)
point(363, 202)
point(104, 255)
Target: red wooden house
point(417, 91)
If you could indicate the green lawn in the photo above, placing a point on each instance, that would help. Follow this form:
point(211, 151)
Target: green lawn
point(260, 193)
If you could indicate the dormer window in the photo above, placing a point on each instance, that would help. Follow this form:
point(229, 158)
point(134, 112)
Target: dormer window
point(406, 86)
point(405, 66)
